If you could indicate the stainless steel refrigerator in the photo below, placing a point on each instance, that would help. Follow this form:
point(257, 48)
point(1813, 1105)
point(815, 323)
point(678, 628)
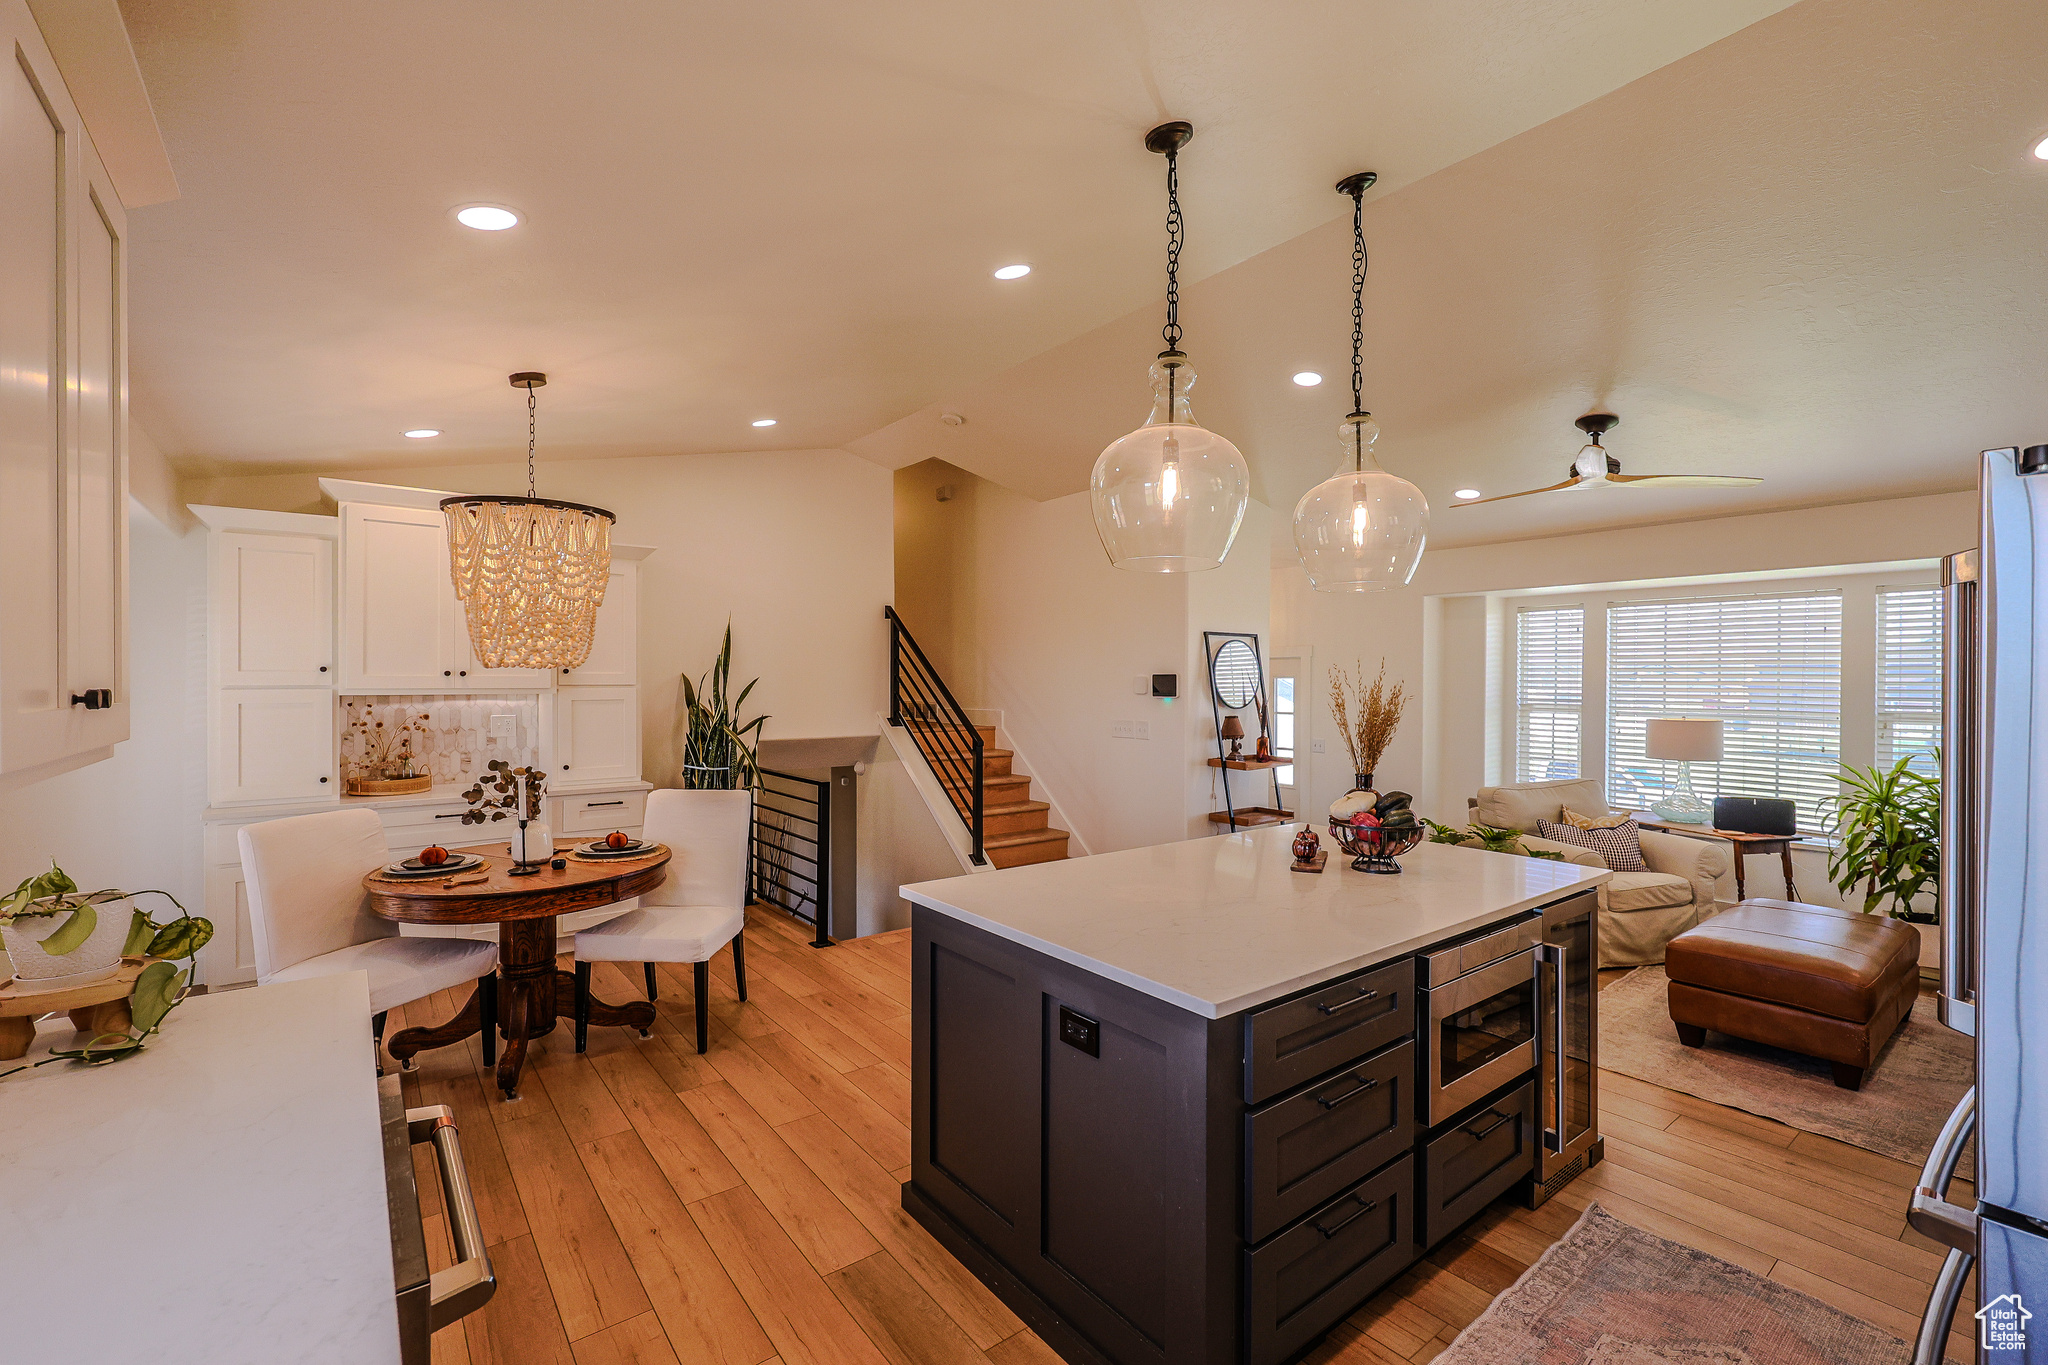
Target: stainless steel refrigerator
point(1994, 915)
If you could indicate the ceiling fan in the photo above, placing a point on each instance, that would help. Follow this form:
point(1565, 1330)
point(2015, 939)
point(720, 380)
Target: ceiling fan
point(1595, 468)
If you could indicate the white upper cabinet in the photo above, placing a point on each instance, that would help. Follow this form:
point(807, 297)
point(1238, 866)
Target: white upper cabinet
point(63, 422)
point(597, 734)
point(469, 673)
point(273, 744)
point(398, 612)
point(613, 660)
point(273, 610)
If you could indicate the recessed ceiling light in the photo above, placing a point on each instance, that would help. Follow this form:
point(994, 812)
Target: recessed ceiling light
point(2041, 149)
point(487, 217)
point(1013, 272)
point(1308, 379)
point(1466, 493)
point(423, 433)
point(765, 422)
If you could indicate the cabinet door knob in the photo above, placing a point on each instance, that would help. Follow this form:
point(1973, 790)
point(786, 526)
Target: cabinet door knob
point(323, 779)
point(447, 672)
point(93, 699)
point(323, 668)
point(565, 767)
point(465, 672)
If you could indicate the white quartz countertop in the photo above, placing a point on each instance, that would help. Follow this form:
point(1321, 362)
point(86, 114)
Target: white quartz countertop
point(1221, 924)
point(218, 1197)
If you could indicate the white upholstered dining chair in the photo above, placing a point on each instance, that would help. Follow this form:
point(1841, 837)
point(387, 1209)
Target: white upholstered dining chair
point(312, 917)
point(700, 908)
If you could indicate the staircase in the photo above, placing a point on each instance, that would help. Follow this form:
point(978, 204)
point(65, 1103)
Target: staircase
point(1005, 826)
point(1016, 828)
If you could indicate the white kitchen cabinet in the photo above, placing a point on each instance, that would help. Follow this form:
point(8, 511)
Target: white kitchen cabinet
point(398, 606)
point(613, 660)
point(273, 744)
point(597, 734)
point(230, 956)
point(272, 614)
point(63, 423)
point(469, 673)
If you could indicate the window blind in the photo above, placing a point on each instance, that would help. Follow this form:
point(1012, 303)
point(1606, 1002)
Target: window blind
point(1550, 673)
point(1908, 676)
point(1770, 667)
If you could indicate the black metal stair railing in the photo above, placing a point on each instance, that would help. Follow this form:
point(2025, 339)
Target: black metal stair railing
point(790, 864)
point(921, 703)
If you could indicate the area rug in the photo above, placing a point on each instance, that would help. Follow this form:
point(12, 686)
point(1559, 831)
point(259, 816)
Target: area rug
point(1899, 1111)
point(1608, 1293)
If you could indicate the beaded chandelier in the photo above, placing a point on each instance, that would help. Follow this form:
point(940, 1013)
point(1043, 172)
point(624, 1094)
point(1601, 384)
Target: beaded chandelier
point(529, 571)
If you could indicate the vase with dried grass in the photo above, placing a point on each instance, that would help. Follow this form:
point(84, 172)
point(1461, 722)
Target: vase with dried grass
point(1367, 714)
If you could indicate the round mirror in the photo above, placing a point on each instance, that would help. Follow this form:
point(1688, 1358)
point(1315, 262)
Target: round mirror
point(1235, 674)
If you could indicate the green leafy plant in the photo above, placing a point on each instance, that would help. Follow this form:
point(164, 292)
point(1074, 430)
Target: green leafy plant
point(1495, 840)
point(718, 750)
point(1442, 834)
point(1886, 825)
point(496, 795)
point(1555, 855)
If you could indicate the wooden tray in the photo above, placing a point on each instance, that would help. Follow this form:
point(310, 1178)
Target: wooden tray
point(394, 786)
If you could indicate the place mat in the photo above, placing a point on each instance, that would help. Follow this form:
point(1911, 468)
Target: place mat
point(1609, 1293)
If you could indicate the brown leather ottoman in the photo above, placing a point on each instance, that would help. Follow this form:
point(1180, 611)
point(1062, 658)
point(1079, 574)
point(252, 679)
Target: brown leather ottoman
point(1834, 984)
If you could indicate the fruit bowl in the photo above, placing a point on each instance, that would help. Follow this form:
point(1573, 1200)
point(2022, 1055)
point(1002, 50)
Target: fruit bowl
point(1374, 848)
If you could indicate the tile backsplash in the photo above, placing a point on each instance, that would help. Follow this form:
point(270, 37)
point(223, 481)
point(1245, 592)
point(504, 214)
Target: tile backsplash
point(453, 738)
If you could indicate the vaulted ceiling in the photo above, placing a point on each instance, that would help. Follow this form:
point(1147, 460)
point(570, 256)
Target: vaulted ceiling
point(1801, 242)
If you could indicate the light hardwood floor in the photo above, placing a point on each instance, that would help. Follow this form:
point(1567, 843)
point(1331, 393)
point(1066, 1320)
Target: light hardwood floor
point(645, 1205)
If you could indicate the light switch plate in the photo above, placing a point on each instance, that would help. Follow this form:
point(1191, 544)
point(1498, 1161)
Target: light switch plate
point(1122, 729)
point(1144, 729)
point(504, 726)
point(1141, 686)
point(1316, 748)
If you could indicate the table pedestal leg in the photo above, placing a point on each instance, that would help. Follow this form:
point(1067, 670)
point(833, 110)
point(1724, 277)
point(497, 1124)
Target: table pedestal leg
point(526, 992)
point(408, 1042)
point(639, 1014)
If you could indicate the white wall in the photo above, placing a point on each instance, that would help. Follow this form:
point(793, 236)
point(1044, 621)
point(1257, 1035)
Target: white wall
point(1017, 605)
point(1439, 752)
point(133, 820)
point(794, 547)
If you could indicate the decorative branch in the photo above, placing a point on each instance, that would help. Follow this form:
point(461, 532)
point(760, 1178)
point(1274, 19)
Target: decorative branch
point(1377, 708)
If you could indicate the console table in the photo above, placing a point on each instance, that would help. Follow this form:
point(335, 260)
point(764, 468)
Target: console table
point(1744, 845)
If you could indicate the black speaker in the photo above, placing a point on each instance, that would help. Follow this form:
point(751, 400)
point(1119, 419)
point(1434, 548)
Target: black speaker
point(1756, 815)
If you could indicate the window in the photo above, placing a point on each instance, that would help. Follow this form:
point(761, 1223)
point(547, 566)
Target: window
point(1283, 727)
point(1769, 666)
point(1908, 676)
point(1550, 669)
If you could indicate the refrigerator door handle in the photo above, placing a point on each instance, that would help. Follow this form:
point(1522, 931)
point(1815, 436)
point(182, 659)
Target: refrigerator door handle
point(1554, 1137)
point(1961, 734)
point(1930, 1213)
point(1929, 1347)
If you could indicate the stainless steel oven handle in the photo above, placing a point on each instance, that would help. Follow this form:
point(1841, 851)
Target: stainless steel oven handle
point(1930, 1214)
point(467, 1285)
point(1553, 1137)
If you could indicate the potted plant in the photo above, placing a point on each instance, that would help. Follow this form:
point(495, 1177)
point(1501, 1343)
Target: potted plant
point(1886, 825)
point(1367, 716)
point(718, 750)
point(508, 793)
point(56, 935)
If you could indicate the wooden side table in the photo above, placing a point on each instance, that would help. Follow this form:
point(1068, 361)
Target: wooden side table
point(101, 1007)
point(1744, 844)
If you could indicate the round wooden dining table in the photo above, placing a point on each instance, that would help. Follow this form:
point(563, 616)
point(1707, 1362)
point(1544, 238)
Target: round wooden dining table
point(532, 991)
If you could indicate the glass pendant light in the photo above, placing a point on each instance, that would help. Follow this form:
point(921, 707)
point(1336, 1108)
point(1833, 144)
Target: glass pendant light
point(1169, 497)
point(530, 572)
point(1362, 528)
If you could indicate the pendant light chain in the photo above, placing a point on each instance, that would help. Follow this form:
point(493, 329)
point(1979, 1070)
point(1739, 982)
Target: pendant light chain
point(1176, 236)
point(1358, 300)
point(530, 407)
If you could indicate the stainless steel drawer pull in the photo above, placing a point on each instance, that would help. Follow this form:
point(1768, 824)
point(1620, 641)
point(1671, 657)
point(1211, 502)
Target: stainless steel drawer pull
point(467, 1285)
point(1358, 999)
point(1478, 1134)
point(1367, 1083)
point(593, 805)
point(1365, 1206)
point(451, 815)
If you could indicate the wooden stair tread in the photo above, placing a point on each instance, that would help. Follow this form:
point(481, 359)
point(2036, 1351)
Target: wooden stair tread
point(1015, 807)
point(1029, 836)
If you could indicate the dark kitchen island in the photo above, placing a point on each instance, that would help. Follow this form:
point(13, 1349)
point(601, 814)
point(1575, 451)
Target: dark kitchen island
point(1182, 1105)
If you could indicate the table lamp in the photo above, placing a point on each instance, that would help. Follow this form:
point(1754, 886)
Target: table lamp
point(1233, 730)
point(1689, 741)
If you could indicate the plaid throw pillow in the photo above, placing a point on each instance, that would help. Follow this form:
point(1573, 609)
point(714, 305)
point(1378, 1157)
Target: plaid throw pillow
point(1620, 847)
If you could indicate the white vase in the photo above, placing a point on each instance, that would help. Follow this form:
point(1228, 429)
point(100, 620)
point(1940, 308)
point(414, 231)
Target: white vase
point(96, 959)
point(532, 842)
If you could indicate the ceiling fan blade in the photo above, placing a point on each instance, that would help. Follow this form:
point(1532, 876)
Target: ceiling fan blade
point(1572, 482)
point(1687, 480)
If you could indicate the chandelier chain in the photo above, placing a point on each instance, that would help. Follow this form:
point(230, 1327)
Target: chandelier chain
point(1358, 300)
point(1176, 236)
point(530, 406)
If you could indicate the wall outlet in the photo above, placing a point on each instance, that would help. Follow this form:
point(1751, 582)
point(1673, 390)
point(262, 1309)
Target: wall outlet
point(504, 727)
point(1317, 747)
point(1122, 729)
point(1144, 729)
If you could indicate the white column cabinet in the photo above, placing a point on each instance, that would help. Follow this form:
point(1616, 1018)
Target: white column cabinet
point(273, 744)
point(273, 610)
point(63, 422)
point(597, 734)
point(397, 605)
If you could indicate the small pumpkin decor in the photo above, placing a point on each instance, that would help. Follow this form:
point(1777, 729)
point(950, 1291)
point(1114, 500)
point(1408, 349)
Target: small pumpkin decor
point(618, 838)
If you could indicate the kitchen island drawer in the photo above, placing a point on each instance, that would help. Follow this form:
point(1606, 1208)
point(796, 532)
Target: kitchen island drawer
point(1302, 1149)
point(1300, 1039)
point(1476, 1161)
point(1304, 1281)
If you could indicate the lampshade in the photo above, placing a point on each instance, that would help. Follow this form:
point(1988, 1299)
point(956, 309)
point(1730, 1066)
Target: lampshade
point(1362, 528)
point(1233, 728)
point(1694, 741)
point(1169, 497)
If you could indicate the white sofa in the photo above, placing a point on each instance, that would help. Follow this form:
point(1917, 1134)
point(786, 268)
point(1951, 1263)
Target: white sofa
point(1640, 912)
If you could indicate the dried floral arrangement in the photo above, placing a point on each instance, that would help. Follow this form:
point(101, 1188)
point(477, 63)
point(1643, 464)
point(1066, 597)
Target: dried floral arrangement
point(1366, 714)
point(385, 749)
point(500, 794)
